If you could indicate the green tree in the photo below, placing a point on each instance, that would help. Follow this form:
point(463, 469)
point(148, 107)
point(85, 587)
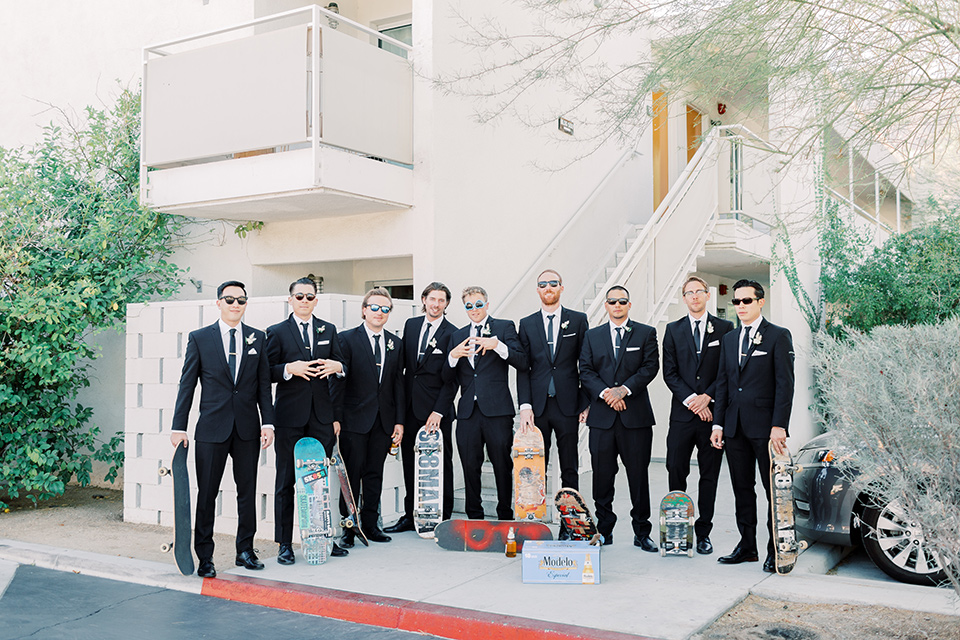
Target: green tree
point(75, 248)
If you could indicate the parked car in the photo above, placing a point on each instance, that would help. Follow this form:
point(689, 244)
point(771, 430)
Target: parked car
point(829, 509)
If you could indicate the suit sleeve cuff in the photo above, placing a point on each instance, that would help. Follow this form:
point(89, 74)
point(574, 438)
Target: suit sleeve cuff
point(687, 400)
point(501, 350)
point(717, 427)
point(286, 373)
point(267, 426)
point(526, 406)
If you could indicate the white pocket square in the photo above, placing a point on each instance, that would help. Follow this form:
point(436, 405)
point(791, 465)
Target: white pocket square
point(319, 344)
point(569, 335)
point(715, 343)
point(633, 348)
point(437, 351)
point(252, 352)
point(759, 353)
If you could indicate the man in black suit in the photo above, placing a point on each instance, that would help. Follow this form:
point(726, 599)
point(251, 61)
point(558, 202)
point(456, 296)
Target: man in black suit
point(619, 359)
point(479, 361)
point(753, 404)
point(228, 360)
point(303, 352)
point(429, 396)
point(691, 355)
point(549, 388)
point(372, 408)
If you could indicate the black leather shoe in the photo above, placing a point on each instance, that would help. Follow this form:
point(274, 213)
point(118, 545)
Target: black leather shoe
point(207, 570)
point(739, 555)
point(285, 555)
point(338, 551)
point(606, 539)
point(346, 540)
point(704, 546)
point(248, 560)
point(375, 535)
point(405, 523)
point(645, 543)
point(769, 565)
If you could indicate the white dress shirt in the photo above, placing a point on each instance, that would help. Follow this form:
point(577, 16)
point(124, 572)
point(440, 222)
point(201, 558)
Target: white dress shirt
point(383, 346)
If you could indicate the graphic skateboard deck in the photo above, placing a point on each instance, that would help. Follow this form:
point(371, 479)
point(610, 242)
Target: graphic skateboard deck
point(314, 516)
point(487, 535)
point(529, 476)
point(676, 524)
point(785, 544)
point(576, 516)
point(352, 520)
point(428, 484)
point(182, 531)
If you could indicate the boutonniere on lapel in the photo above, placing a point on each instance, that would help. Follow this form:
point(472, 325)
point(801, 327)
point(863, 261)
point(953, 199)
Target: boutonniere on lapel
point(389, 345)
point(628, 328)
point(321, 328)
point(709, 327)
point(757, 339)
point(251, 338)
point(433, 343)
point(564, 324)
point(486, 330)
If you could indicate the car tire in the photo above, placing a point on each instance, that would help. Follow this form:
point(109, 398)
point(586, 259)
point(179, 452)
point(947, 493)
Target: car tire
point(897, 546)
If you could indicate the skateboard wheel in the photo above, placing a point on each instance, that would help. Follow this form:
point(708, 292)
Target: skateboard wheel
point(166, 547)
point(163, 471)
point(803, 544)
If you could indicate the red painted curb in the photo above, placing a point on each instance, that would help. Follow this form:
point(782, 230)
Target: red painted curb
point(396, 613)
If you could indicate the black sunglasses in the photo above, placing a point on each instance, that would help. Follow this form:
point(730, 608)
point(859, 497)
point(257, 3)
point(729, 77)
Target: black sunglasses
point(738, 301)
point(623, 301)
point(378, 307)
point(479, 304)
point(309, 296)
point(543, 284)
point(242, 300)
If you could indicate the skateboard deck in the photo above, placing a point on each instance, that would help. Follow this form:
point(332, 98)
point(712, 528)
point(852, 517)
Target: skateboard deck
point(676, 524)
point(182, 531)
point(785, 544)
point(576, 516)
point(352, 520)
point(487, 535)
point(428, 484)
point(529, 476)
point(314, 516)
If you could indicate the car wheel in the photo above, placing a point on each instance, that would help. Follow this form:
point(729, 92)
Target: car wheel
point(897, 546)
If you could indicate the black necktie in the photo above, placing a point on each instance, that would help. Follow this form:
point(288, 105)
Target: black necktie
point(377, 356)
point(232, 359)
point(696, 335)
point(423, 343)
point(745, 345)
point(551, 387)
point(306, 335)
point(616, 351)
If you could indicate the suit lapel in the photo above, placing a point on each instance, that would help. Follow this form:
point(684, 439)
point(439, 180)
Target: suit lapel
point(294, 325)
point(215, 335)
point(542, 334)
point(753, 342)
point(248, 341)
point(624, 341)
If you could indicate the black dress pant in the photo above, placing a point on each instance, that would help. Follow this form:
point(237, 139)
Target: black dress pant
point(567, 431)
point(633, 448)
point(286, 439)
point(408, 456)
point(681, 439)
point(744, 457)
point(211, 459)
point(363, 456)
point(497, 434)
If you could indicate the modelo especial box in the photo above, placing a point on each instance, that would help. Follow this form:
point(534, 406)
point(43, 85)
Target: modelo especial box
point(560, 562)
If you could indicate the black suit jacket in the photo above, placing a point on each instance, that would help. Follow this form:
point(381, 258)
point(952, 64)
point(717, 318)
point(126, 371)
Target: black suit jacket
point(425, 387)
point(488, 382)
point(364, 396)
point(296, 397)
point(636, 367)
point(758, 395)
point(224, 404)
point(532, 382)
point(683, 371)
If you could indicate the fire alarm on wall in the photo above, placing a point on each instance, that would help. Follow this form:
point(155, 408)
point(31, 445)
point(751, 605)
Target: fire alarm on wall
point(721, 108)
point(723, 289)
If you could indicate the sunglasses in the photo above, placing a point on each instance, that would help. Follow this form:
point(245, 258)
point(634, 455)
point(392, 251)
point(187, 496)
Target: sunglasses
point(378, 307)
point(309, 296)
point(738, 301)
point(479, 304)
point(623, 301)
point(543, 284)
point(242, 300)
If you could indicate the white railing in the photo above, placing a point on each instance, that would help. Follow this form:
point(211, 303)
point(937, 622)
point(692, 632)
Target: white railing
point(861, 212)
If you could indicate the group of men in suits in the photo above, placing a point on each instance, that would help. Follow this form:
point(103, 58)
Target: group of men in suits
point(366, 386)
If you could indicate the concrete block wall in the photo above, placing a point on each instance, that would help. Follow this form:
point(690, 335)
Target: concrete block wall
point(155, 342)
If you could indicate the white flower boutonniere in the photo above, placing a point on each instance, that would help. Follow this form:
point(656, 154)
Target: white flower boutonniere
point(433, 343)
point(628, 328)
point(321, 328)
point(757, 339)
point(486, 330)
point(709, 327)
point(251, 338)
point(564, 325)
point(389, 345)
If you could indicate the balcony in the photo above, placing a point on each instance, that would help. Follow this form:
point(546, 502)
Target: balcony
point(303, 114)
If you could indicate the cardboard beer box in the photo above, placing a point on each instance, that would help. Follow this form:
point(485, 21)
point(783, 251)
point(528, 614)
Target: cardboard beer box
point(560, 562)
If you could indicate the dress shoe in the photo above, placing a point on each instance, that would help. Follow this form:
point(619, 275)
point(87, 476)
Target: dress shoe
point(206, 569)
point(739, 555)
point(704, 546)
point(338, 551)
point(405, 523)
point(606, 539)
point(376, 535)
point(248, 560)
point(346, 540)
point(769, 565)
point(645, 543)
point(285, 555)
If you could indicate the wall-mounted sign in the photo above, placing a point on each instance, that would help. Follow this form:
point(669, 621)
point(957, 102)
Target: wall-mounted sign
point(565, 125)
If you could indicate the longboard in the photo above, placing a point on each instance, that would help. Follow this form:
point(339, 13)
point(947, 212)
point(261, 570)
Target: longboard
point(487, 535)
point(576, 516)
point(529, 476)
point(352, 519)
point(182, 531)
point(428, 484)
point(676, 524)
point(786, 547)
point(314, 516)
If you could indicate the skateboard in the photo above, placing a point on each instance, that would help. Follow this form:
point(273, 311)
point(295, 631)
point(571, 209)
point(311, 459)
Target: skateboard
point(676, 524)
point(182, 531)
point(785, 545)
point(529, 476)
point(428, 485)
point(314, 515)
point(576, 516)
point(352, 520)
point(487, 535)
